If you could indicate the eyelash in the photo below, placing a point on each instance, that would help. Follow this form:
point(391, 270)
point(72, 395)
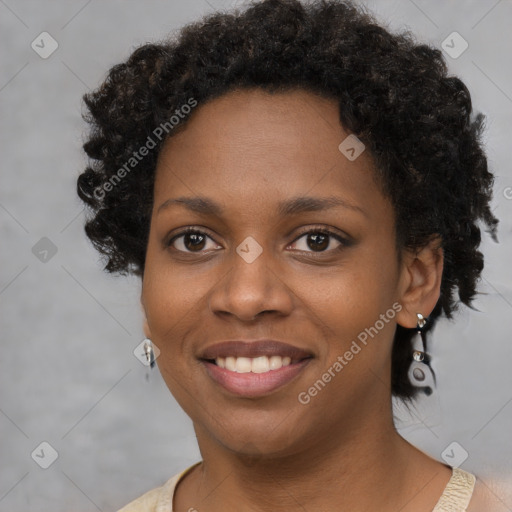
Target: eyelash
point(317, 230)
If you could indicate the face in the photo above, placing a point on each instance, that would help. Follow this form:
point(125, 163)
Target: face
point(260, 264)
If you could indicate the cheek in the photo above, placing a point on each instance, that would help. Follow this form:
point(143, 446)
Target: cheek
point(173, 292)
point(357, 307)
point(354, 307)
point(173, 301)
point(173, 305)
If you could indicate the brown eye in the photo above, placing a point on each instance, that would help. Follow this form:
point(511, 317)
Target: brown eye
point(190, 241)
point(319, 241)
point(193, 241)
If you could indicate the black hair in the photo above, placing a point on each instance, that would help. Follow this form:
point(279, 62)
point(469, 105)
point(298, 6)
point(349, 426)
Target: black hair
point(394, 94)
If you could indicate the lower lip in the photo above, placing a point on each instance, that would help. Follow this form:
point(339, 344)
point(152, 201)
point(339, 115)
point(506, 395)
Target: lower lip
point(253, 385)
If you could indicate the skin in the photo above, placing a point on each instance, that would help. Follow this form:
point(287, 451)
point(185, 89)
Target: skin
point(248, 150)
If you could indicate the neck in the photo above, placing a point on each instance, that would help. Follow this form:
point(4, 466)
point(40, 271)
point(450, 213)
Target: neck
point(363, 468)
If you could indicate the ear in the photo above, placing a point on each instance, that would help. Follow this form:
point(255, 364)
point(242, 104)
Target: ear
point(420, 282)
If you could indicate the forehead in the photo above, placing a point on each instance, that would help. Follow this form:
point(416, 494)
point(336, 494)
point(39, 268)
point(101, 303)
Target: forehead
point(256, 148)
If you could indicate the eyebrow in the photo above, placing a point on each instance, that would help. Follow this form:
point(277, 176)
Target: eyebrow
point(206, 206)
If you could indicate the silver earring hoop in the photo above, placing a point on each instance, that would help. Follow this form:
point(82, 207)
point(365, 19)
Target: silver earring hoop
point(149, 352)
point(420, 374)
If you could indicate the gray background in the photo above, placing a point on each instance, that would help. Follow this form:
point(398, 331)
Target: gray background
point(68, 375)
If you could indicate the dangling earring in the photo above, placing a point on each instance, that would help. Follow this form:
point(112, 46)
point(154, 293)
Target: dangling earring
point(150, 353)
point(420, 373)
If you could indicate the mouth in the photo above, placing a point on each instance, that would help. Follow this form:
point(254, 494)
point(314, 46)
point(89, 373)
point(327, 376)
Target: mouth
point(261, 364)
point(254, 368)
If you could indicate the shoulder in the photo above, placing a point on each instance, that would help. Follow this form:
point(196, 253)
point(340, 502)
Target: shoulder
point(157, 499)
point(466, 493)
point(152, 500)
point(484, 500)
point(145, 503)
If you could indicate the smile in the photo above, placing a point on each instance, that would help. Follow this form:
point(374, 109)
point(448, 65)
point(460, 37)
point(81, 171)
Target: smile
point(242, 381)
point(261, 364)
point(255, 368)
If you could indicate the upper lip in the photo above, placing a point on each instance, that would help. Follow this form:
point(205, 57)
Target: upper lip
point(255, 348)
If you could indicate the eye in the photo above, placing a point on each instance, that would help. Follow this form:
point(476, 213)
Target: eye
point(316, 240)
point(192, 241)
point(319, 240)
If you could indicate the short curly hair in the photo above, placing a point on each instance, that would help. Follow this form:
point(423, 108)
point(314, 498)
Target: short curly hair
point(393, 93)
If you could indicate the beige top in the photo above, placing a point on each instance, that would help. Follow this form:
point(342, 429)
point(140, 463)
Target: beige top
point(455, 497)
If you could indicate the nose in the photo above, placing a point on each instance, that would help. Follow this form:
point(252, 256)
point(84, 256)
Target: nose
point(249, 289)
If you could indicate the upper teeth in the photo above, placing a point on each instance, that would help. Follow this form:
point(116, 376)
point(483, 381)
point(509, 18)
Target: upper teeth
point(260, 364)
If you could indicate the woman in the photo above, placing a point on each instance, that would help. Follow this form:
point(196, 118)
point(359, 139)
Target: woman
point(299, 191)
